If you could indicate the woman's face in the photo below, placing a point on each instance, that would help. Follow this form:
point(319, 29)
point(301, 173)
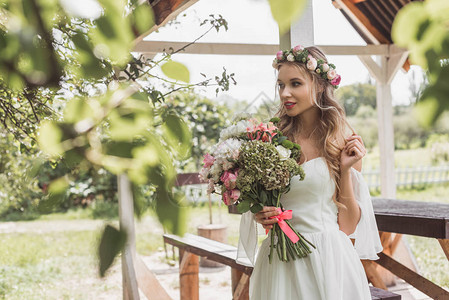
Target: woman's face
point(294, 90)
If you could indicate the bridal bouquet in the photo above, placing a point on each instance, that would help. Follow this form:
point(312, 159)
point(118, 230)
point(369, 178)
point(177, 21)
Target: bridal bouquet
point(251, 166)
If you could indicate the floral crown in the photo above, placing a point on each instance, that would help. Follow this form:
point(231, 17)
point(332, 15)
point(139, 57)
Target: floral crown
point(300, 54)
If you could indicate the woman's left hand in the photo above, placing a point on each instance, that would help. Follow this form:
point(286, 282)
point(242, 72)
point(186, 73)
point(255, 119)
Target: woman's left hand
point(353, 152)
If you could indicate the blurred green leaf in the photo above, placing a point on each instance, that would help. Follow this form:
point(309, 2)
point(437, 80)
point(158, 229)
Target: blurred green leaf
point(170, 211)
point(143, 18)
point(176, 70)
point(49, 138)
point(111, 243)
point(178, 135)
point(56, 194)
point(112, 33)
point(76, 110)
point(285, 12)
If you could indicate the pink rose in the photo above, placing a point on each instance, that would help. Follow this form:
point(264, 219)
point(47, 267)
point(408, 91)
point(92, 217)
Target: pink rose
point(227, 198)
point(235, 194)
point(230, 181)
point(208, 160)
point(280, 55)
point(275, 63)
point(336, 80)
point(325, 67)
point(298, 48)
point(331, 74)
point(225, 176)
point(311, 63)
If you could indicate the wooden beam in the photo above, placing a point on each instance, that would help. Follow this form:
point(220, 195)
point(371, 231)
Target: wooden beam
point(395, 62)
point(372, 67)
point(362, 21)
point(445, 245)
point(180, 8)
point(424, 285)
point(155, 47)
point(148, 283)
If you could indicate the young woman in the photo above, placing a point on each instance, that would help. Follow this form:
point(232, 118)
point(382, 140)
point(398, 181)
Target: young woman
point(330, 206)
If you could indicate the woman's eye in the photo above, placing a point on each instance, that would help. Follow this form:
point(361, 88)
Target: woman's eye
point(281, 86)
point(296, 83)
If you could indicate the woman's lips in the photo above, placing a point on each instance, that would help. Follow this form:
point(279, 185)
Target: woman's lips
point(289, 105)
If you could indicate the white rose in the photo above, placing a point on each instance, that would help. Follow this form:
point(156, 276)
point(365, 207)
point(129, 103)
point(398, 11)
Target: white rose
point(241, 127)
point(331, 74)
point(311, 64)
point(284, 153)
point(290, 57)
point(325, 67)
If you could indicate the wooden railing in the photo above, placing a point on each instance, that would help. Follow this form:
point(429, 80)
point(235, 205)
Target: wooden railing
point(408, 177)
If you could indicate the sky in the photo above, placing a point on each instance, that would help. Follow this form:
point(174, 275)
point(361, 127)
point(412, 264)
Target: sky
point(250, 21)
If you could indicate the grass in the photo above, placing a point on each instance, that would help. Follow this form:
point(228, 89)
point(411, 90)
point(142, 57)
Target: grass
point(49, 264)
point(55, 265)
point(402, 158)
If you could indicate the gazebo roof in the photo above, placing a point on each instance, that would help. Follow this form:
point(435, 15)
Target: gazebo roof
point(372, 19)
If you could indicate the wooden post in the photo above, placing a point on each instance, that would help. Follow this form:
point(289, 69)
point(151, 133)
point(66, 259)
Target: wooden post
point(302, 31)
point(188, 275)
point(240, 285)
point(135, 273)
point(126, 216)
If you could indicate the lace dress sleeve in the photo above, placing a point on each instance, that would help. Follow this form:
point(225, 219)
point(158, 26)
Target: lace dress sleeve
point(366, 235)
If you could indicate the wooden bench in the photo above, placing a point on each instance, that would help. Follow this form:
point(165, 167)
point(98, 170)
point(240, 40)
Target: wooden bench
point(192, 246)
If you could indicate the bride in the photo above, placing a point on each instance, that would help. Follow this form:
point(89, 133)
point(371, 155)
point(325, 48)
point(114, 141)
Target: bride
point(330, 206)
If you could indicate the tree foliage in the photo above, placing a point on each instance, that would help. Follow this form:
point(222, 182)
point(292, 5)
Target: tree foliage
point(356, 95)
point(116, 117)
point(422, 28)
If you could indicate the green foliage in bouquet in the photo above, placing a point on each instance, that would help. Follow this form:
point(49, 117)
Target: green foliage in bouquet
point(269, 175)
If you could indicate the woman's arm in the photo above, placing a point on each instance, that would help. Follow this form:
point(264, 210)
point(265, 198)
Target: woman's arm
point(351, 157)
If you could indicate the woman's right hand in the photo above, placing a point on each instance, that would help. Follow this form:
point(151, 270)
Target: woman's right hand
point(263, 217)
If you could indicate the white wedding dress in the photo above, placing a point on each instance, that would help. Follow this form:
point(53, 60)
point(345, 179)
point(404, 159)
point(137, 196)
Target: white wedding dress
point(333, 270)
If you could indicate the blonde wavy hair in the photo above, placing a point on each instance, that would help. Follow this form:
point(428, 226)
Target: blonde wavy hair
point(333, 127)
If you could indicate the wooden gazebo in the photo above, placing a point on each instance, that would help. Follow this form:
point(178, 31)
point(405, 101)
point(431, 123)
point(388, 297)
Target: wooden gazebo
point(372, 19)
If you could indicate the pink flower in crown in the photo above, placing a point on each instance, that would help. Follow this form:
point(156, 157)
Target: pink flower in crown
point(280, 55)
point(331, 74)
point(208, 160)
point(275, 63)
point(298, 48)
point(311, 63)
point(336, 80)
point(325, 67)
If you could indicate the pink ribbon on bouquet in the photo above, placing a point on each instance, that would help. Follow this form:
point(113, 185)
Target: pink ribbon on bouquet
point(285, 215)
